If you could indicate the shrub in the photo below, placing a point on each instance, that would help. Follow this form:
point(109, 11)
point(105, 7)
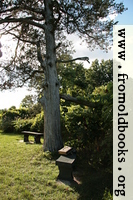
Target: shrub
point(16, 120)
point(34, 124)
point(90, 129)
point(38, 123)
point(22, 124)
point(24, 113)
point(8, 117)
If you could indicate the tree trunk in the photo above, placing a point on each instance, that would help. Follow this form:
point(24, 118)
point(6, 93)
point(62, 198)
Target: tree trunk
point(51, 100)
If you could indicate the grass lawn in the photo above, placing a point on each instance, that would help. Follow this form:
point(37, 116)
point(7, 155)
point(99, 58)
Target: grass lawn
point(27, 173)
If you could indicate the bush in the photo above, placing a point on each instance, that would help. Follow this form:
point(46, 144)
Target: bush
point(34, 124)
point(24, 113)
point(8, 116)
point(17, 120)
point(22, 124)
point(38, 123)
point(90, 129)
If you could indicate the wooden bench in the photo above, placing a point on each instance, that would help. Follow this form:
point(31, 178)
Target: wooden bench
point(65, 163)
point(36, 135)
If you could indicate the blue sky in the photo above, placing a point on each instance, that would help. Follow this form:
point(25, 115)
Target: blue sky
point(14, 98)
point(126, 18)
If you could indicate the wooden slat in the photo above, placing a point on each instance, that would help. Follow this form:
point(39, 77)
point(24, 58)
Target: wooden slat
point(65, 160)
point(32, 133)
point(65, 150)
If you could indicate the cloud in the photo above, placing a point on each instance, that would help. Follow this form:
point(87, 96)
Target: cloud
point(13, 98)
point(110, 17)
point(82, 50)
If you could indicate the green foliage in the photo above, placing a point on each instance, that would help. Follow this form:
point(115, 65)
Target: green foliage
point(30, 104)
point(38, 123)
point(107, 195)
point(72, 79)
point(22, 124)
point(16, 120)
point(86, 128)
point(99, 74)
point(90, 129)
point(8, 116)
point(86, 21)
point(28, 101)
point(24, 113)
point(36, 108)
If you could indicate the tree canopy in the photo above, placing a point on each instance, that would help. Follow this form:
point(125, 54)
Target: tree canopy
point(39, 28)
point(27, 22)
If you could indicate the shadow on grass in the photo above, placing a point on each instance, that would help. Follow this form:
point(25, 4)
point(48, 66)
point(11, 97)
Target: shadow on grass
point(94, 183)
point(88, 182)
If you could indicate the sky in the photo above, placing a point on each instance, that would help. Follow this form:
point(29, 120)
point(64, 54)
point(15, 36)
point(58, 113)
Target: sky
point(14, 98)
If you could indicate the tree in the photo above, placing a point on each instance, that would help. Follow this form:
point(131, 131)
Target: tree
point(40, 24)
point(31, 104)
point(28, 101)
point(99, 74)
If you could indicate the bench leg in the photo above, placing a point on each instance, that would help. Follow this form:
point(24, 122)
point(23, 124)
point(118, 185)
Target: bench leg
point(65, 173)
point(37, 139)
point(26, 138)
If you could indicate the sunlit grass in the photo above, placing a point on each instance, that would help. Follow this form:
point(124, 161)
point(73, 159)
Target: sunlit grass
point(26, 172)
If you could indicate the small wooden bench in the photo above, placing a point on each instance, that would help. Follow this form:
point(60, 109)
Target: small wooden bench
point(36, 135)
point(65, 163)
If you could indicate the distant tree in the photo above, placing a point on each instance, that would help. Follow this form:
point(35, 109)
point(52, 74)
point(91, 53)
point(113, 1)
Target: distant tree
point(99, 74)
point(41, 24)
point(12, 108)
point(31, 104)
point(28, 101)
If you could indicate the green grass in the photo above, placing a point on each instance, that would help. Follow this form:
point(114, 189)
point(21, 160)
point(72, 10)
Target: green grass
point(27, 173)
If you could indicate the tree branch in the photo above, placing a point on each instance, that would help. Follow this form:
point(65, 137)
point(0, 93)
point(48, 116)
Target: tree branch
point(39, 55)
point(19, 38)
point(27, 20)
point(24, 80)
point(10, 29)
point(79, 101)
point(80, 58)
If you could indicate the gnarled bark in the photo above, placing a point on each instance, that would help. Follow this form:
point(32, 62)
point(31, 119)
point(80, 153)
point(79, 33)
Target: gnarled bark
point(52, 129)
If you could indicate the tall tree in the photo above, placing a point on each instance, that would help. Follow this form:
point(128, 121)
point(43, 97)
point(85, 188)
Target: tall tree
point(39, 23)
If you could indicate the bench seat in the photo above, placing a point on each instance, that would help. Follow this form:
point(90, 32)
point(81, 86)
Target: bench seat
point(36, 135)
